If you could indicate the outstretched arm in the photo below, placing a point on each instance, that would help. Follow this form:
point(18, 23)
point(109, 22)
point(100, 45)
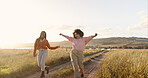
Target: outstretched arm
point(63, 35)
point(95, 35)
point(87, 39)
point(52, 48)
point(69, 38)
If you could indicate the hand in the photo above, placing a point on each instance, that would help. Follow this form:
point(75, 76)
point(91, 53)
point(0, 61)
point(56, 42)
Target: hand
point(95, 34)
point(60, 34)
point(34, 54)
point(58, 46)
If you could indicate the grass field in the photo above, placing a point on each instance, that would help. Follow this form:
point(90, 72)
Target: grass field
point(17, 63)
point(125, 63)
point(122, 63)
point(69, 70)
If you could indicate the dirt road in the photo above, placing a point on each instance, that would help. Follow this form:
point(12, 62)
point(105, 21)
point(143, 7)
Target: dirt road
point(91, 69)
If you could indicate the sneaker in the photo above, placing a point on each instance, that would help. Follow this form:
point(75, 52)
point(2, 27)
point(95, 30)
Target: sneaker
point(47, 68)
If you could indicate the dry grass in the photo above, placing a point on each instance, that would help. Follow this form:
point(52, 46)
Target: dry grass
point(125, 64)
point(69, 70)
point(17, 63)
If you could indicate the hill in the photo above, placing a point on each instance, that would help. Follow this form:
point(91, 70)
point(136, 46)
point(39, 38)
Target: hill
point(100, 42)
point(111, 42)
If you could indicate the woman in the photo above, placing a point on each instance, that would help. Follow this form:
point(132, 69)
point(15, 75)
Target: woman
point(78, 46)
point(42, 45)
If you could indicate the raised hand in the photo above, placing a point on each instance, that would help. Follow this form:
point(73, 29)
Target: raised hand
point(95, 34)
point(60, 34)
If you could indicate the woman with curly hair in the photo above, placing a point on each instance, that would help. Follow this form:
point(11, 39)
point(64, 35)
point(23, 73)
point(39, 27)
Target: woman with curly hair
point(78, 46)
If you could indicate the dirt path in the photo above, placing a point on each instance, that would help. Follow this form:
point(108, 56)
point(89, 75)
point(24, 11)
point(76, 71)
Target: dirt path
point(96, 65)
point(92, 69)
point(52, 71)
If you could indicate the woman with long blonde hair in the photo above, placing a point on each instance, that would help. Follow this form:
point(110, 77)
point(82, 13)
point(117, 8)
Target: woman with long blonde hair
point(41, 44)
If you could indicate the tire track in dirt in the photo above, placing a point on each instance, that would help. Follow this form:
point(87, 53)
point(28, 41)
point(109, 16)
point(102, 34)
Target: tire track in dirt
point(97, 62)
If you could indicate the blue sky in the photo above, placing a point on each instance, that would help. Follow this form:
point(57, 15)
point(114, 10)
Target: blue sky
point(23, 20)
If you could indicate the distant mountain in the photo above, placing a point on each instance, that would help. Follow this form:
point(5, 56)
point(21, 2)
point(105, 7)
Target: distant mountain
point(100, 42)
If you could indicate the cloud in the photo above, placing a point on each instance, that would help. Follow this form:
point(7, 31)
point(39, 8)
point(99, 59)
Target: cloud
point(45, 28)
point(58, 27)
point(67, 27)
point(144, 17)
point(104, 29)
point(143, 24)
point(141, 12)
point(108, 29)
point(78, 26)
point(49, 27)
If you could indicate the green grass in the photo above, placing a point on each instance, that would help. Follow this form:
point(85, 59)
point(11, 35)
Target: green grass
point(125, 64)
point(63, 73)
point(15, 63)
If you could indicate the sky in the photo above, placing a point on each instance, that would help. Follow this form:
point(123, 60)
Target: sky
point(21, 21)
